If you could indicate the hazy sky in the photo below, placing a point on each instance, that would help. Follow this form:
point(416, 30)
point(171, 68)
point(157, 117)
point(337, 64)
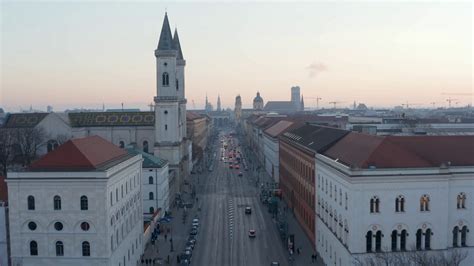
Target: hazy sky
point(83, 54)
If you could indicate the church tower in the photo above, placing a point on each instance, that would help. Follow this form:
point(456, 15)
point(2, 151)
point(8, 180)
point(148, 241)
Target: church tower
point(238, 109)
point(170, 102)
point(219, 103)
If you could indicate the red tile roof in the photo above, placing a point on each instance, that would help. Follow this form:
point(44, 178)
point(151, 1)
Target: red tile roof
point(364, 151)
point(82, 154)
point(278, 128)
point(3, 189)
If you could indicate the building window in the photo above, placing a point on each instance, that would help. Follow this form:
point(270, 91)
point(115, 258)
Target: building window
point(461, 201)
point(464, 232)
point(150, 196)
point(374, 204)
point(84, 203)
point(85, 226)
point(111, 199)
point(121, 190)
point(166, 127)
point(418, 239)
point(403, 240)
point(368, 242)
point(145, 146)
point(31, 202)
point(58, 226)
point(33, 248)
point(165, 79)
point(59, 248)
point(394, 240)
point(424, 203)
point(428, 234)
point(455, 236)
point(150, 180)
point(400, 204)
point(57, 202)
point(152, 210)
point(177, 84)
point(378, 241)
point(122, 144)
point(32, 226)
point(86, 249)
point(347, 199)
point(166, 112)
point(116, 194)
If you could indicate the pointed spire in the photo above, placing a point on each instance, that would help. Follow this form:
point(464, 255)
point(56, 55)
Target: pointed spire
point(302, 103)
point(177, 45)
point(166, 39)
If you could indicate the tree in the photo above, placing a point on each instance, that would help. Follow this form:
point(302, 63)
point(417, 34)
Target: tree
point(451, 257)
point(27, 143)
point(6, 149)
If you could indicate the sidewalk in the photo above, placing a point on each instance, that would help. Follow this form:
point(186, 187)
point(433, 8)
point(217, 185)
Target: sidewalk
point(169, 248)
point(301, 240)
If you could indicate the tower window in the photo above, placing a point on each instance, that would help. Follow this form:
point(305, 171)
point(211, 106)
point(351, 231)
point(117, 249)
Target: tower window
point(177, 84)
point(31, 203)
point(86, 249)
point(145, 146)
point(165, 79)
point(166, 127)
point(122, 144)
point(166, 112)
point(59, 248)
point(57, 202)
point(84, 203)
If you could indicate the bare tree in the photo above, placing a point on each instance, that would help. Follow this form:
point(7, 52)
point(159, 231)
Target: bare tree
point(451, 257)
point(27, 143)
point(6, 149)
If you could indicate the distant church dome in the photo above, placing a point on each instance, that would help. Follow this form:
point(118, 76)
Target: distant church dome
point(258, 102)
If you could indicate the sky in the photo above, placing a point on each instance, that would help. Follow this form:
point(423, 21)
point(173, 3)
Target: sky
point(88, 54)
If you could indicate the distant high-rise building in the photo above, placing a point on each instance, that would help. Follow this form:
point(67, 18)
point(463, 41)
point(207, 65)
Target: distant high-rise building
point(219, 103)
point(238, 108)
point(258, 102)
point(302, 104)
point(295, 97)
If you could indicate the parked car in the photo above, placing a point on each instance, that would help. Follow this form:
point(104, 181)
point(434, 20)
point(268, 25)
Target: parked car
point(193, 232)
point(252, 233)
point(241, 174)
point(248, 210)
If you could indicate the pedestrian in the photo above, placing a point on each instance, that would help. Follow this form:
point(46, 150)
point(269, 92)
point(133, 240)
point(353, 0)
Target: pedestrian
point(312, 258)
point(298, 251)
point(166, 237)
point(177, 258)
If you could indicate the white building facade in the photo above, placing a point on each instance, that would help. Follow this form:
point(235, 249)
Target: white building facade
point(362, 212)
point(91, 217)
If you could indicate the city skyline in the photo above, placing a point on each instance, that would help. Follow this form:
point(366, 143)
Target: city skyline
point(350, 51)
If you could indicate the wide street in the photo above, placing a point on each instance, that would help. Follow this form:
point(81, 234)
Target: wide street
point(223, 236)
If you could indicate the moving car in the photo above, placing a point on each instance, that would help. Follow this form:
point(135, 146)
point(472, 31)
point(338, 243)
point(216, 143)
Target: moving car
point(248, 210)
point(252, 233)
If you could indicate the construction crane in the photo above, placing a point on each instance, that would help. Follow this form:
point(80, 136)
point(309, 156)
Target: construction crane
point(317, 100)
point(334, 103)
point(433, 104)
point(449, 100)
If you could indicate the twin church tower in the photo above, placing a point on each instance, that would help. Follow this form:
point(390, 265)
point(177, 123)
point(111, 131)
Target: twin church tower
point(170, 102)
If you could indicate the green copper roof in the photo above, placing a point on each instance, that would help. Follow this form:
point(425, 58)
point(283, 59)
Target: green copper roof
point(149, 161)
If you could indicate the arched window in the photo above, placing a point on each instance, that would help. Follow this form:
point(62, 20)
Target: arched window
point(394, 240)
point(122, 144)
point(368, 241)
point(152, 210)
point(86, 249)
point(403, 240)
point(461, 201)
point(424, 203)
point(455, 236)
point(84, 203)
point(165, 79)
point(419, 233)
point(177, 84)
point(374, 204)
point(33, 248)
point(166, 127)
point(400, 204)
point(378, 241)
point(464, 232)
point(59, 248)
point(150, 180)
point(31, 202)
point(57, 202)
point(428, 239)
point(150, 196)
point(145, 146)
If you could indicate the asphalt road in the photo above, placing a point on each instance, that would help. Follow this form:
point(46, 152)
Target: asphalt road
point(223, 236)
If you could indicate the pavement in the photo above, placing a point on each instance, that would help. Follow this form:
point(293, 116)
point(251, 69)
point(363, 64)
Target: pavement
point(223, 234)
